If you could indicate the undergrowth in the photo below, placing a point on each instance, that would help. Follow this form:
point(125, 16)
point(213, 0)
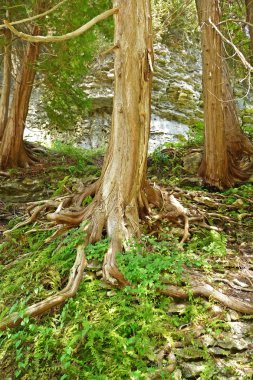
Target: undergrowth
point(101, 333)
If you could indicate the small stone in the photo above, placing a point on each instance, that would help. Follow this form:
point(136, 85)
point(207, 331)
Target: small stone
point(192, 369)
point(177, 309)
point(217, 309)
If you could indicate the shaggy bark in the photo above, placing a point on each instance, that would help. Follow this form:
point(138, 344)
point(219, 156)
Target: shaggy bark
point(225, 144)
point(122, 194)
point(6, 82)
point(12, 150)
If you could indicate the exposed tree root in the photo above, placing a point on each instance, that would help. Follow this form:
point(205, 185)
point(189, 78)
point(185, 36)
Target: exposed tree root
point(206, 290)
point(121, 223)
point(42, 307)
point(32, 218)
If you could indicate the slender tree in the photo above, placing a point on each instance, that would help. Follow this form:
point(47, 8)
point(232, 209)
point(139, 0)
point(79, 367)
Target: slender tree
point(12, 150)
point(225, 144)
point(6, 81)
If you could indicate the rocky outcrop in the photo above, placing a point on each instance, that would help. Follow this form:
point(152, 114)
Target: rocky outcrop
point(176, 101)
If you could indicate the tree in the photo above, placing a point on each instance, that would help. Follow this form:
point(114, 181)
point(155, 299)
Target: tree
point(122, 193)
point(12, 119)
point(6, 82)
point(225, 144)
point(249, 18)
point(13, 151)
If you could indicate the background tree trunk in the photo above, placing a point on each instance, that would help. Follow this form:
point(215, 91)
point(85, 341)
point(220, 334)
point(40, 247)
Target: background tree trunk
point(239, 147)
point(249, 18)
point(12, 150)
point(214, 166)
point(6, 83)
point(225, 144)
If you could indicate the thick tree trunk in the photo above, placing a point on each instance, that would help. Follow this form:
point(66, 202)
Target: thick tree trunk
point(121, 192)
point(12, 150)
point(225, 144)
point(249, 18)
point(6, 83)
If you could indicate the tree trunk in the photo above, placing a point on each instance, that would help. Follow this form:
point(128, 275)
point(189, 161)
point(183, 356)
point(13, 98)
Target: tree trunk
point(225, 144)
point(12, 150)
point(6, 83)
point(214, 166)
point(121, 192)
point(239, 147)
point(249, 18)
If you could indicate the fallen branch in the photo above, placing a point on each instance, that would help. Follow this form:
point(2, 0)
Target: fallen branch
point(75, 277)
point(206, 290)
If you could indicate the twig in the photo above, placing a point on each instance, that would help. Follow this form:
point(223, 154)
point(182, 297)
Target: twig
point(246, 64)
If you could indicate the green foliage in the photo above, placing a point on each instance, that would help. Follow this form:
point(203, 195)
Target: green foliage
point(166, 162)
point(65, 64)
point(209, 243)
point(173, 20)
point(196, 134)
point(82, 161)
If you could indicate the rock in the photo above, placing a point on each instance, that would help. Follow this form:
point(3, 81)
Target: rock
point(192, 162)
point(177, 308)
point(192, 369)
point(241, 328)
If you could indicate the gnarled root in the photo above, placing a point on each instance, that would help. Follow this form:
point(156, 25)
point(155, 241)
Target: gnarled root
point(42, 307)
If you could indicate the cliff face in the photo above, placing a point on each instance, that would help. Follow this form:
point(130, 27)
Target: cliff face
point(176, 101)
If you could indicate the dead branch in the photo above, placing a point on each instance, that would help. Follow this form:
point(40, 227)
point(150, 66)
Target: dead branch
point(75, 277)
point(246, 64)
point(235, 20)
point(64, 37)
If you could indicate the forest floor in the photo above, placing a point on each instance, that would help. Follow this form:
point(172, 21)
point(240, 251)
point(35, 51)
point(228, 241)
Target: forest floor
point(135, 332)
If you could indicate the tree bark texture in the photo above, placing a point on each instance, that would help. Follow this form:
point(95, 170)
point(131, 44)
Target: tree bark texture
point(6, 83)
point(225, 143)
point(214, 166)
point(121, 194)
point(249, 18)
point(12, 150)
